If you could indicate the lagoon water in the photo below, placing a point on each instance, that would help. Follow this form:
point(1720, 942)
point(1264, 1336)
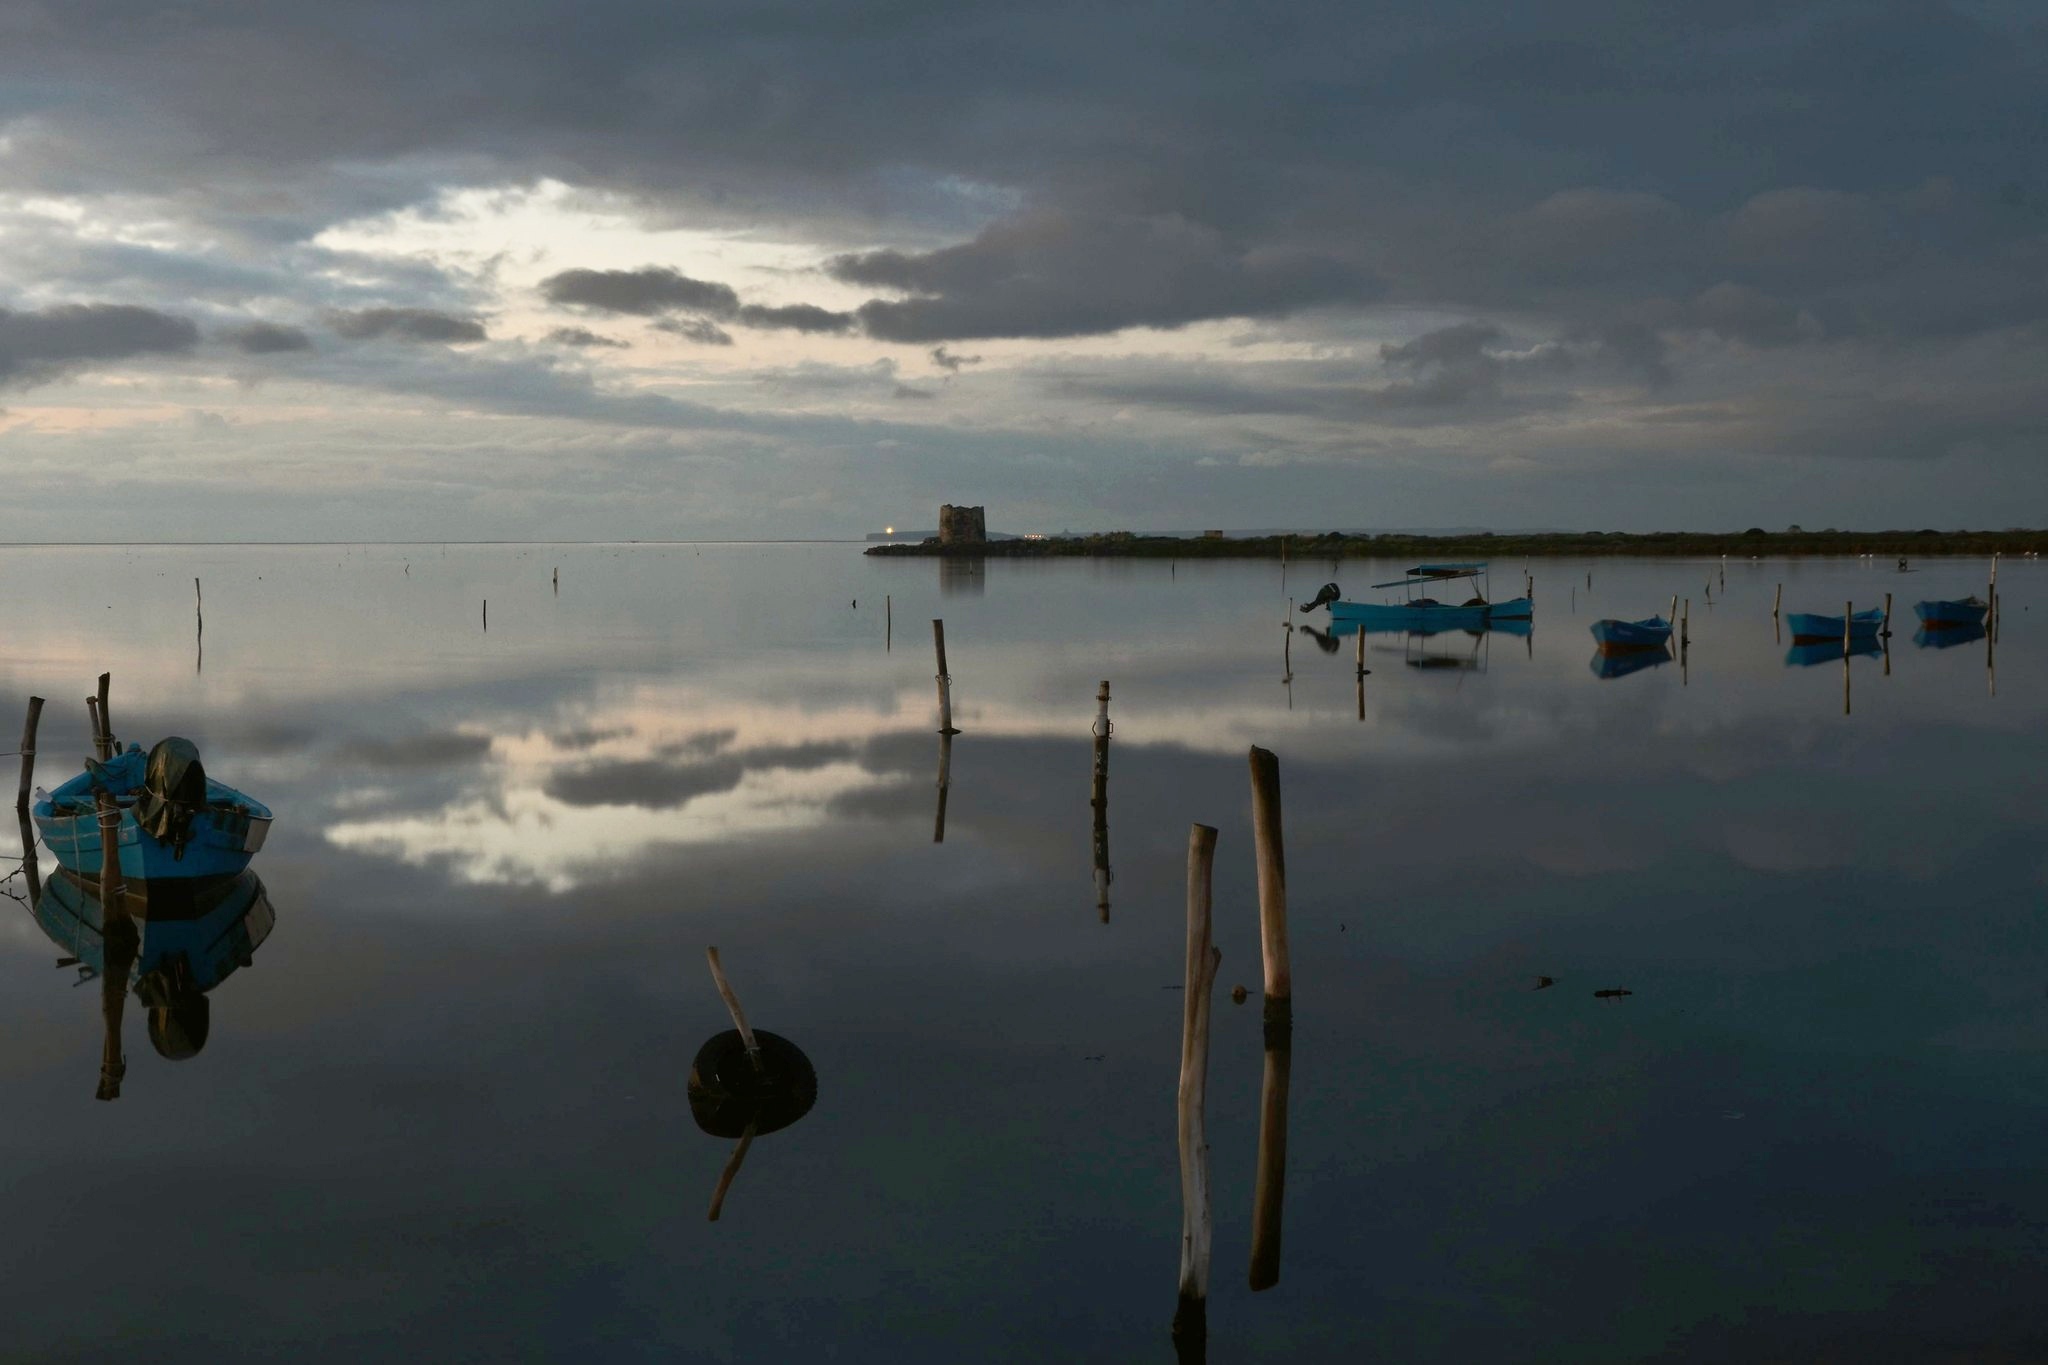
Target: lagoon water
point(442, 1114)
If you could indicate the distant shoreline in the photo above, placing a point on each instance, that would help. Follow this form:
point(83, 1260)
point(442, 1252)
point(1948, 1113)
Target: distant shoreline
point(1335, 545)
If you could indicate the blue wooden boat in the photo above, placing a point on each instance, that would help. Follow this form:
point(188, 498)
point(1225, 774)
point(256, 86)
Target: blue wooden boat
point(1609, 664)
point(1807, 625)
point(1812, 652)
point(1969, 611)
point(1947, 636)
point(175, 821)
point(1652, 632)
point(1418, 610)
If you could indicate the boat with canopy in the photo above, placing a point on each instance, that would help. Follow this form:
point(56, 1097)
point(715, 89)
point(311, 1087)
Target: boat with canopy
point(1419, 609)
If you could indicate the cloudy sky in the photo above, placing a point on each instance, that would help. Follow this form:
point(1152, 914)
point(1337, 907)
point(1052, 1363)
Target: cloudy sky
point(533, 268)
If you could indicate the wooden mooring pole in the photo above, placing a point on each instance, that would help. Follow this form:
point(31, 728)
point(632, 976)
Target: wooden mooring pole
point(28, 754)
point(945, 785)
point(1272, 865)
point(1098, 801)
point(1191, 1313)
point(1777, 599)
point(106, 719)
point(732, 1007)
point(945, 679)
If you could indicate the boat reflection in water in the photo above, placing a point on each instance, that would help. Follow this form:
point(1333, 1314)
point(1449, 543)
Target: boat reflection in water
point(1948, 637)
point(1456, 648)
point(171, 941)
point(1621, 663)
point(1830, 651)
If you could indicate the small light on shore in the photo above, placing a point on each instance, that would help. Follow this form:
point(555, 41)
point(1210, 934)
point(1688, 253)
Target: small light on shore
point(888, 530)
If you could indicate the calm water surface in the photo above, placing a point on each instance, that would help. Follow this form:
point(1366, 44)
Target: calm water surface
point(442, 1114)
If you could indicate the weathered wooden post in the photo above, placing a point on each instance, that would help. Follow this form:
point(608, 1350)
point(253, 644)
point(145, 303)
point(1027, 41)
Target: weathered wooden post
point(1287, 643)
point(945, 784)
point(1361, 649)
point(92, 713)
point(1672, 615)
point(1191, 1314)
point(28, 754)
point(888, 623)
point(1777, 598)
point(945, 679)
point(1887, 626)
point(106, 714)
point(1099, 801)
point(732, 1007)
point(1272, 864)
point(1848, 625)
point(1685, 625)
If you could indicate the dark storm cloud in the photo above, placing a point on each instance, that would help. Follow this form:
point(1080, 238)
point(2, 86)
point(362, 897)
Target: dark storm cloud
point(950, 363)
point(703, 331)
point(266, 338)
point(647, 292)
point(1057, 275)
point(583, 337)
point(36, 345)
point(407, 324)
point(797, 317)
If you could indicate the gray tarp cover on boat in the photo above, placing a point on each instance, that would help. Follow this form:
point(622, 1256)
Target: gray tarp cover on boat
point(173, 791)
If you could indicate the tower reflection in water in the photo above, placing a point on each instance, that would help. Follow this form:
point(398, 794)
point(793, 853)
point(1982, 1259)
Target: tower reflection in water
point(170, 942)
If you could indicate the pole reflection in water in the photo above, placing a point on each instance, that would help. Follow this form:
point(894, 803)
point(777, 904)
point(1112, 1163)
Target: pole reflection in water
point(945, 784)
point(1098, 800)
point(1270, 1184)
point(171, 942)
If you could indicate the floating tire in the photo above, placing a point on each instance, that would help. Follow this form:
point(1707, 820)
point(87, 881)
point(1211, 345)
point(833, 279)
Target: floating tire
point(727, 1093)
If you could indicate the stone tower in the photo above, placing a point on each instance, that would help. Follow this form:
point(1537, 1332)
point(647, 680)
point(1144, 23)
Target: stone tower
point(962, 525)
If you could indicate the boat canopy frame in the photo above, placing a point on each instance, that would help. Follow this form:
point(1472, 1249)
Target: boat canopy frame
point(1424, 575)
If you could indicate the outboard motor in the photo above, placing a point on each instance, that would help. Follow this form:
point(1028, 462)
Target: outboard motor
point(1330, 593)
point(173, 792)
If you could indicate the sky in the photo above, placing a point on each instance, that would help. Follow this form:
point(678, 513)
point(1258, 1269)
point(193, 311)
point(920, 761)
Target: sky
point(532, 269)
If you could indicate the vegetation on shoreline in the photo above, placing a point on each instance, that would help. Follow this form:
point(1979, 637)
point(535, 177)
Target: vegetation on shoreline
point(1336, 545)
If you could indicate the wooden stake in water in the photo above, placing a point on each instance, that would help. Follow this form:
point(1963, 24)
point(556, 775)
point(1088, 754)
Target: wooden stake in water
point(28, 754)
point(1287, 644)
point(1098, 801)
point(945, 785)
point(106, 714)
point(1191, 1314)
point(888, 623)
point(732, 1007)
point(945, 679)
point(1272, 864)
point(1361, 649)
point(1887, 626)
point(1777, 598)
